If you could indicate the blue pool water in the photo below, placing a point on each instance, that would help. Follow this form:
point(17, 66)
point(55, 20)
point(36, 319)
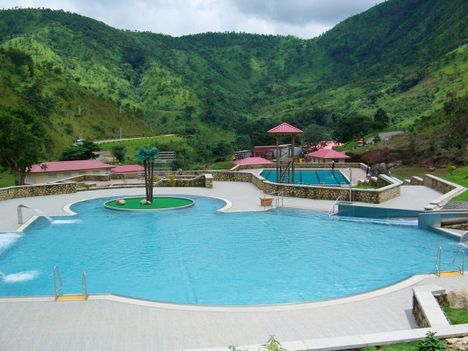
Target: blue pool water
point(309, 177)
point(201, 256)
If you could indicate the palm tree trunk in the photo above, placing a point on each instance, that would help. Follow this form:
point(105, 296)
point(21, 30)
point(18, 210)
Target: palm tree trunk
point(151, 180)
point(146, 180)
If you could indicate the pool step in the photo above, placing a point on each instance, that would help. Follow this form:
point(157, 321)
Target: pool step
point(71, 297)
point(449, 274)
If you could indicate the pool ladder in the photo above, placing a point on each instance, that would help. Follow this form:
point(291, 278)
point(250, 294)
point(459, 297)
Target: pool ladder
point(333, 211)
point(279, 198)
point(460, 267)
point(58, 288)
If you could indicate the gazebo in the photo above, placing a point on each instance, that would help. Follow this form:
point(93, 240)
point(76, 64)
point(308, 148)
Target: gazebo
point(285, 164)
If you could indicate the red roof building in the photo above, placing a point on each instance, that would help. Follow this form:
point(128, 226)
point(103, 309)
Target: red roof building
point(326, 155)
point(127, 169)
point(253, 161)
point(48, 172)
point(64, 166)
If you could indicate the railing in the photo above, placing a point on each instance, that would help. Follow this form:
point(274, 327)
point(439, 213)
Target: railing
point(279, 199)
point(460, 254)
point(84, 285)
point(461, 266)
point(58, 284)
point(464, 238)
point(438, 260)
point(332, 211)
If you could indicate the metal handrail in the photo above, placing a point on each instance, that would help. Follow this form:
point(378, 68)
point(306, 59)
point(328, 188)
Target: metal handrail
point(58, 284)
point(84, 284)
point(438, 260)
point(461, 267)
point(279, 199)
point(331, 211)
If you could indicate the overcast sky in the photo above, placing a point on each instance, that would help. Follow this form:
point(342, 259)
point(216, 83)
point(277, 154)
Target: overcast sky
point(303, 18)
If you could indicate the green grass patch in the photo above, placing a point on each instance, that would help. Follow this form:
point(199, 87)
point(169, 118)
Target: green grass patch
point(408, 172)
point(462, 197)
point(222, 165)
point(159, 203)
point(407, 346)
point(457, 315)
point(459, 176)
point(6, 179)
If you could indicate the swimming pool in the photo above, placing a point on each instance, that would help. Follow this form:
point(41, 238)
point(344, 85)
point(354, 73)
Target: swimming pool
point(201, 256)
point(309, 177)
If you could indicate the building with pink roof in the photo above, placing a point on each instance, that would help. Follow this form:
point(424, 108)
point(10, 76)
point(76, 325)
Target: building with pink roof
point(56, 170)
point(253, 161)
point(127, 169)
point(326, 155)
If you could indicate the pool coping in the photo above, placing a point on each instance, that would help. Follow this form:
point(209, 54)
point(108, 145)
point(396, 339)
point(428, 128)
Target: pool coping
point(405, 283)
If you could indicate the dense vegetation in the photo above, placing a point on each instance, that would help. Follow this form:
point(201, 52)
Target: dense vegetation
point(397, 64)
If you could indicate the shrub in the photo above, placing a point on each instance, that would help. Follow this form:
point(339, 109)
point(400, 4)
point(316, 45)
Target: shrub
point(431, 343)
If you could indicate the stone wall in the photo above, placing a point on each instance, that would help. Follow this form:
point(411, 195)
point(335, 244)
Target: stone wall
point(198, 181)
point(385, 193)
point(439, 184)
point(14, 192)
point(419, 314)
point(426, 309)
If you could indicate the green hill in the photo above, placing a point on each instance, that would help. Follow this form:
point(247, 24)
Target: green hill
point(221, 91)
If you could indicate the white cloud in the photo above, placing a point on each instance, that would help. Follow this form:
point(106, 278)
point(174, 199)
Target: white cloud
point(304, 18)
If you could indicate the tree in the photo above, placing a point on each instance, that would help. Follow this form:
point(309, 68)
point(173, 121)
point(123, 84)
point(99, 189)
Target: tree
point(23, 142)
point(349, 127)
point(148, 156)
point(381, 119)
point(315, 135)
point(85, 150)
point(118, 152)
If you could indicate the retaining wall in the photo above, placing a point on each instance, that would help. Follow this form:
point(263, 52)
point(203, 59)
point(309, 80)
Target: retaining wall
point(14, 192)
point(448, 189)
point(390, 191)
point(426, 309)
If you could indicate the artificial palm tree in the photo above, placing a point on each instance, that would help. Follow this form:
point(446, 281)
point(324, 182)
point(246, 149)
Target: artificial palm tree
point(148, 156)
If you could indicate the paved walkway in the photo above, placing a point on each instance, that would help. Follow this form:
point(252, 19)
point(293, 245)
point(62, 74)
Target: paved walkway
point(111, 325)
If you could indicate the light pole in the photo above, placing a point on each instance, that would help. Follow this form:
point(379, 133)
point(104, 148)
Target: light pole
point(350, 184)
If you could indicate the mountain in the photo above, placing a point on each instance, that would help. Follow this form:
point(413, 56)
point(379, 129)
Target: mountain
point(224, 90)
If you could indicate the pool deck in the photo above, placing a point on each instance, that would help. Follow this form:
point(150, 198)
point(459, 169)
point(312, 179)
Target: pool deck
point(113, 323)
point(109, 323)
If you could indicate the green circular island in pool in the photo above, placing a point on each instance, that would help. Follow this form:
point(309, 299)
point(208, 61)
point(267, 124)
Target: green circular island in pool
point(159, 203)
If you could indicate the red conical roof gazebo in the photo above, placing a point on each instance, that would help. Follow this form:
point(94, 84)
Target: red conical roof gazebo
point(285, 165)
point(285, 129)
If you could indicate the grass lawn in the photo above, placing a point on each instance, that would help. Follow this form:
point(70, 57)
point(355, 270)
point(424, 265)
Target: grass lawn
point(6, 179)
point(407, 172)
point(408, 346)
point(462, 197)
point(459, 176)
point(457, 315)
point(222, 165)
point(159, 203)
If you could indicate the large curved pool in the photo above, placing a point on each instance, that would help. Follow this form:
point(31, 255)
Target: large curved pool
point(201, 256)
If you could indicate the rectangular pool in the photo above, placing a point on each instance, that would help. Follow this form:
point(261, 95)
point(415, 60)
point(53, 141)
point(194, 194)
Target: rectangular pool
point(309, 177)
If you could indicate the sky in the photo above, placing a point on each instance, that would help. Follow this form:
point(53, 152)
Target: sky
point(302, 18)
